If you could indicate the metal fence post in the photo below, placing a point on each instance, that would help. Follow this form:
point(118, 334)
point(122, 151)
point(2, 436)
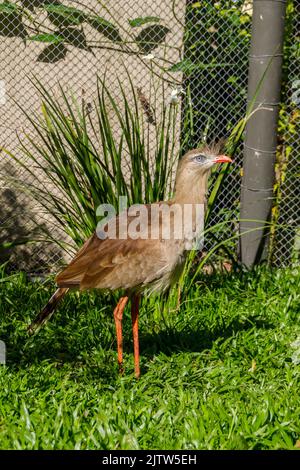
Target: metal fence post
point(261, 130)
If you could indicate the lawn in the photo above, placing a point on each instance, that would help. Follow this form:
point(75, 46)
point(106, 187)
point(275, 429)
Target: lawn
point(221, 372)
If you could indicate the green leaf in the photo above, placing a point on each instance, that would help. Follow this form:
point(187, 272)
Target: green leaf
point(63, 16)
point(109, 30)
point(143, 20)
point(52, 38)
point(149, 38)
point(186, 66)
point(8, 7)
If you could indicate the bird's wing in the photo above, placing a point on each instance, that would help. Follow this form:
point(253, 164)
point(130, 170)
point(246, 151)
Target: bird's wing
point(116, 263)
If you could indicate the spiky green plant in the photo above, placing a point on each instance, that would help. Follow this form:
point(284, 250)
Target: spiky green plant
point(83, 162)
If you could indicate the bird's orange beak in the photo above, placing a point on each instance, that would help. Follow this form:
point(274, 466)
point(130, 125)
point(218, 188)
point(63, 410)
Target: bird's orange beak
point(222, 159)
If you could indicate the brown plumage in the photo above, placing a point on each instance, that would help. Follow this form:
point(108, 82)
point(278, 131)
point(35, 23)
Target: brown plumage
point(152, 261)
point(48, 310)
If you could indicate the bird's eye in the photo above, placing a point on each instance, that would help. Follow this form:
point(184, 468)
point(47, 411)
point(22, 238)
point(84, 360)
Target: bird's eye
point(200, 159)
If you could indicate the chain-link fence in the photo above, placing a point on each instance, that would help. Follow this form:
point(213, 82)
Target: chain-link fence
point(193, 52)
point(286, 240)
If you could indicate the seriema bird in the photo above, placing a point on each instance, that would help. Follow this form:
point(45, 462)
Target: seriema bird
point(143, 263)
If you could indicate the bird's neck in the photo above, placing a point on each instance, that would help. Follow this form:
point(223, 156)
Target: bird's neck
point(190, 202)
point(191, 190)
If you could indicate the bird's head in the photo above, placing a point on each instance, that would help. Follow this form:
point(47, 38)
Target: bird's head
point(201, 160)
point(194, 167)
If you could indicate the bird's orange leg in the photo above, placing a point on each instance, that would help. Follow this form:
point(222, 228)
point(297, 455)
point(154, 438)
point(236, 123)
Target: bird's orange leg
point(118, 316)
point(135, 331)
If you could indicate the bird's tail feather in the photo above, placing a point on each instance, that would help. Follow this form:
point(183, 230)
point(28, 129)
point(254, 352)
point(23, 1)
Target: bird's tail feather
point(48, 310)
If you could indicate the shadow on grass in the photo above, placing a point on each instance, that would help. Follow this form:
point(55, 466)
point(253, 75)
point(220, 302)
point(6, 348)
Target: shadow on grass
point(169, 341)
point(99, 358)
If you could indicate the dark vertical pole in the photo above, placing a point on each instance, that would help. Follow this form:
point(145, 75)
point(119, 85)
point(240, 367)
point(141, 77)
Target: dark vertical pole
point(261, 129)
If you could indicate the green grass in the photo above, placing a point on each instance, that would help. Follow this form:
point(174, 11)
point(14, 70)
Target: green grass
point(200, 387)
